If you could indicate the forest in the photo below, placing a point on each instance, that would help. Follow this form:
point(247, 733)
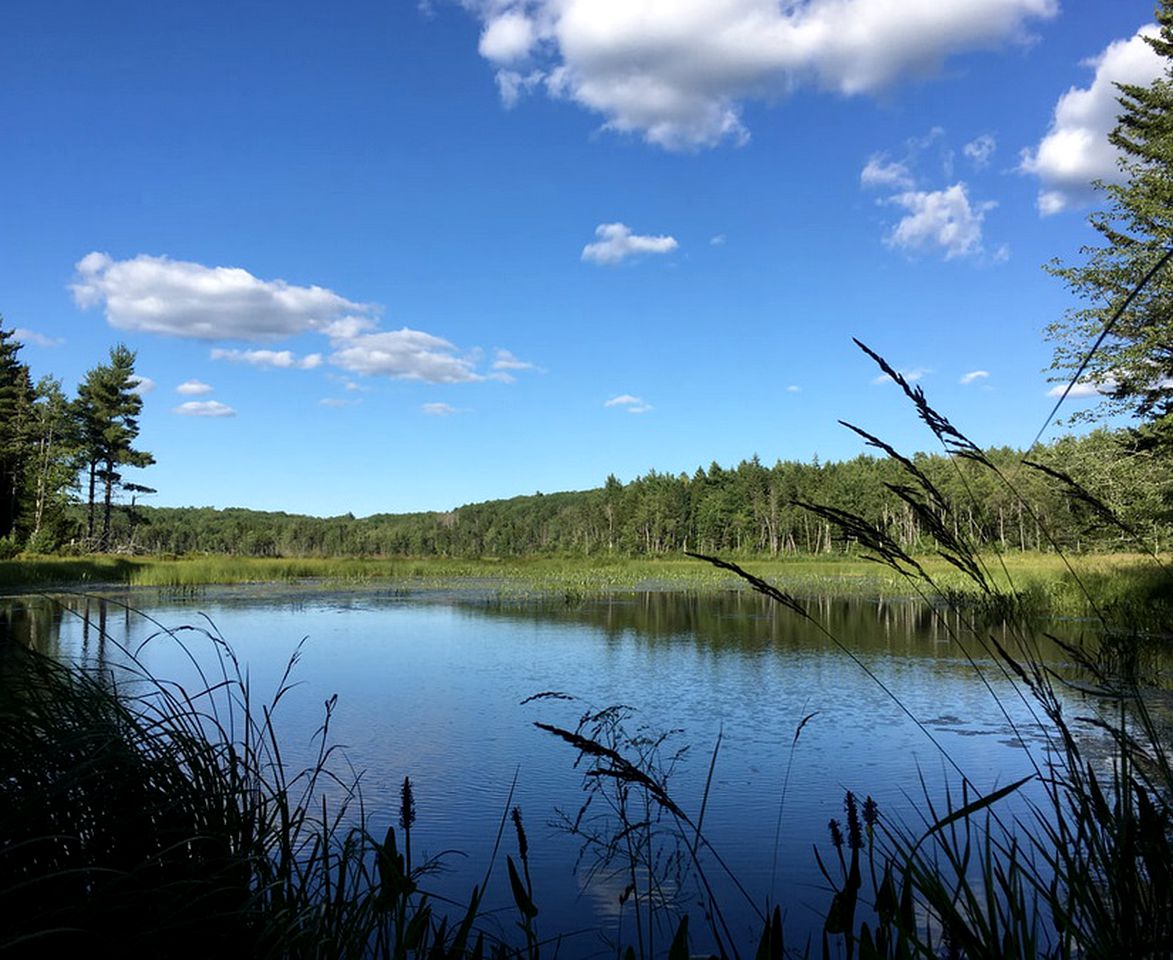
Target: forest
point(62, 463)
point(748, 509)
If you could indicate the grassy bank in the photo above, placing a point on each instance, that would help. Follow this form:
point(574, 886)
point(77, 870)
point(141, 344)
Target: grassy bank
point(1048, 581)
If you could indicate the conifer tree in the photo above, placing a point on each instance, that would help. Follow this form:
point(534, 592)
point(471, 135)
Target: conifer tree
point(108, 412)
point(16, 400)
point(1134, 366)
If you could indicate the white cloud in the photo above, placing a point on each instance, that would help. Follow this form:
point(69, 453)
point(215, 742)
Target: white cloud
point(1076, 150)
point(616, 243)
point(677, 72)
point(339, 402)
point(880, 172)
point(507, 38)
point(718, 241)
point(25, 335)
point(282, 359)
point(912, 376)
point(440, 409)
point(183, 299)
point(511, 85)
point(1083, 388)
point(407, 355)
point(973, 376)
point(204, 408)
point(194, 388)
point(507, 361)
point(629, 403)
point(142, 385)
point(942, 220)
point(794, 388)
point(980, 150)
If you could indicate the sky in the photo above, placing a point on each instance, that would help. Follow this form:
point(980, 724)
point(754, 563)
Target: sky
point(380, 257)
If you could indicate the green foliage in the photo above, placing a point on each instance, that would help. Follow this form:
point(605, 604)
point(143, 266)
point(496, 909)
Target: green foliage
point(108, 408)
point(16, 424)
point(1134, 365)
point(750, 510)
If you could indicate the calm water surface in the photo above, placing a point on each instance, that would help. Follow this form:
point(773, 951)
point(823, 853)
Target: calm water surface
point(430, 686)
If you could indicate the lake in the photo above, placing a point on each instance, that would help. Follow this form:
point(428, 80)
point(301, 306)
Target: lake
point(433, 684)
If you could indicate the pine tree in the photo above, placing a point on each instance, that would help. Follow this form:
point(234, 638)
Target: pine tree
point(1134, 365)
point(108, 412)
point(16, 400)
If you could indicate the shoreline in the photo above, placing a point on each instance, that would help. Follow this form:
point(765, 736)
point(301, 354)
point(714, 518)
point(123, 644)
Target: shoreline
point(1046, 581)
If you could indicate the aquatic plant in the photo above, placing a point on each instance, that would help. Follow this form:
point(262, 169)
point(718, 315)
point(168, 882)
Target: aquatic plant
point(144, 819)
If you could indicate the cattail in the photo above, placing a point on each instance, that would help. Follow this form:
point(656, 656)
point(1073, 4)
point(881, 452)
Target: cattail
point(854, 832)
point(406, 805)
point(836, 834)
point(871, 812)
point(522, 842)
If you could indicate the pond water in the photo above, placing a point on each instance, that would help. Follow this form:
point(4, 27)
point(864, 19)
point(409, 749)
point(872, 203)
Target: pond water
point(433, 684)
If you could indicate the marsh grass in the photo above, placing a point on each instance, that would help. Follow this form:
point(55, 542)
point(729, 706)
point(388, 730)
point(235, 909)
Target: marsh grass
point(1083, 865)
point(138, 818)
point(1072, 861)
point(1044, 584)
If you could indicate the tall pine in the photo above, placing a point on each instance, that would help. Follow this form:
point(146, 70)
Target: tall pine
point(1134, 366)
point(108, 411)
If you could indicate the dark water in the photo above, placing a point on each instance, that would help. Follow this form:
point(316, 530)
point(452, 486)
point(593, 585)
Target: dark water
point(431, 686)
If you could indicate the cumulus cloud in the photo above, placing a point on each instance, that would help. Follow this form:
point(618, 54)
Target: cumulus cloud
point(1083, 388)
point(677, 73)
point(183, 299)
point(407, 355)
point(1075, 150)
point(194, 388)
point(504, 360)
point(794, 388)
point(142, 385)
point(879, 171)
point(718, 241)
point(281, 359)
point(629, 403)
point(973, 376)
point(204, 408)
point(25, 335)
point(512, 85)
point(439, 409)
point(508, 37)
point(944, 220)
point(616, 243)
point(980, 150)
point(940, 220)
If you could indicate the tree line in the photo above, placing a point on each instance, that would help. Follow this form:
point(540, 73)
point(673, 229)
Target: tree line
point(58, 452)
point(62, 486)
point(749, 509)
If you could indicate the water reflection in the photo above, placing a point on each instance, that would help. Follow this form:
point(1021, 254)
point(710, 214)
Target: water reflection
point(431, 685)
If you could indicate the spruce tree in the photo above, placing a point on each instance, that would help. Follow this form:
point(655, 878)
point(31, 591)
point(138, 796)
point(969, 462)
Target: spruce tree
point(1134, 365)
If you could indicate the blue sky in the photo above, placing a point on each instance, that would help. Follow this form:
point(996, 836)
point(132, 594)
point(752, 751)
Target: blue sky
point(383, 257)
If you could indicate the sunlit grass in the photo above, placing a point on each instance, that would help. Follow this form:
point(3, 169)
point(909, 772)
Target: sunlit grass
point(1049, 582)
